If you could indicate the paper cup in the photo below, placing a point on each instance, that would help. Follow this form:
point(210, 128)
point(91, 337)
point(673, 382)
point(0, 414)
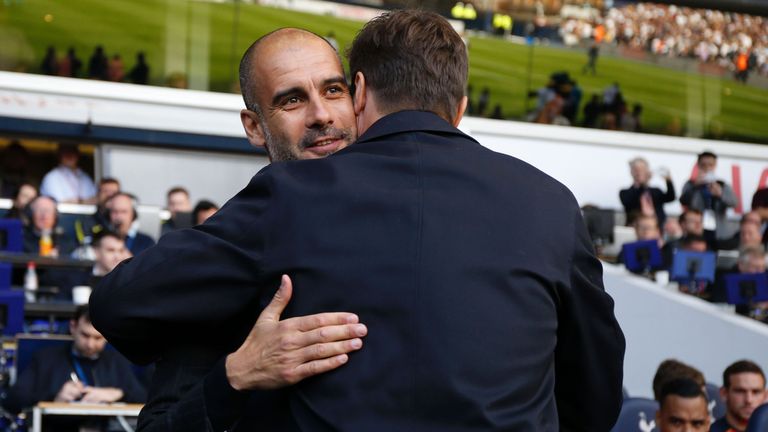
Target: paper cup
point(81, 294)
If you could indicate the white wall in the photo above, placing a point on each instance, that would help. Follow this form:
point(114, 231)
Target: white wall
point(660, 323)
point(149, 173)
point(594, 163)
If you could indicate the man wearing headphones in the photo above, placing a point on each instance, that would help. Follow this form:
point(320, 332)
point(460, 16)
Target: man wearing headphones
point(124, 220)
point(44, 219)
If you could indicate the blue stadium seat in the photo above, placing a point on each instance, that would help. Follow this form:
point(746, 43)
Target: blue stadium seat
point(715, 405)
point(759, 420)
point(10, 235)
point(637, 415)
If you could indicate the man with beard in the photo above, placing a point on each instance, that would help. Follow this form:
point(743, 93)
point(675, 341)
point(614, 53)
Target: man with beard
point(298, 106)
point(743, 391)
point(482, 315)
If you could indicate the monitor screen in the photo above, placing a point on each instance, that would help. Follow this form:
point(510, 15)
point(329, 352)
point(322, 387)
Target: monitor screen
point(642, 255)
point(746, 288)
point(693, 266)
point(600, 223)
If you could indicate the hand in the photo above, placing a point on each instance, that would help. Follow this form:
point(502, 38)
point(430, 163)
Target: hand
point(715, 189)
point(280, 353)
point(70, 391)
point(102, 394)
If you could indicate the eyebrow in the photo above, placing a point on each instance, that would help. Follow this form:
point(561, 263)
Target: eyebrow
point(339, 79)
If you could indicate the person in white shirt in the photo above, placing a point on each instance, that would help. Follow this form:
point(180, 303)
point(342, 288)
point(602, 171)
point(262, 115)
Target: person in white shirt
point(68, 183)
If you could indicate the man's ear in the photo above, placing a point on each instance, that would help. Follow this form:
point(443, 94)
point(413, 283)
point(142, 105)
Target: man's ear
point(253, 130)
point(360, 97)
point(460, 111)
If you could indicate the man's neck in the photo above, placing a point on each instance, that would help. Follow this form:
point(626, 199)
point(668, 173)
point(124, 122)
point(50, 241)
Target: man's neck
point(738, 424)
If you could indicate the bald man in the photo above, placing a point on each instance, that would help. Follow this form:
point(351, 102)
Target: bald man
point(298, 106)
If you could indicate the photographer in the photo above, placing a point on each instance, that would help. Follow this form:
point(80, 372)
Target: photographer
point(710, 196)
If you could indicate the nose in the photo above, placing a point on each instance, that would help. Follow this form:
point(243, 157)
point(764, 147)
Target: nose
point(318, 113)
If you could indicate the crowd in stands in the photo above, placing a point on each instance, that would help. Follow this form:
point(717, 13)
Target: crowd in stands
point(702, 227)
point(734, 40)
point(113, 230)
point(558, 103)
point(83, 370)
point(100, 66)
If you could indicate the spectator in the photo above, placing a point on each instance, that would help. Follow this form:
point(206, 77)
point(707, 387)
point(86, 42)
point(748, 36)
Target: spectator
point(123, 217)
point(97, 64)
point(760, 205)
point(79, 372)
point(642, 199)
point(116, 69)
point(44, 217)
point(203, 210)
point(592, 54)
point(13, 171)
point(482, 101)
point(672, 230)
point(743, 390)
point(70, 65)
point(50, 65)
point(682, 407)
point(68, 183)
point(710, 196)
point(139, 74)
point(672, 369)
point(751, 260)
point(108, 251)
point(87, 227)
point(712, 36)
point(631, 122)
point(647, 228)
point(592, 111)
point(179, 205)
point(748, 234)
point(26, 193)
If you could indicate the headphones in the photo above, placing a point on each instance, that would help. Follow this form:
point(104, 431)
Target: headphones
point(28, 210)
point(134, 205)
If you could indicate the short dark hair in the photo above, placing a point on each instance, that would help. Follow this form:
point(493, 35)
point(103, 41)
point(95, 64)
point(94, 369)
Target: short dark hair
point(17, 191)
point(704, 154)
point(83, 312)
point(108, 180)
point(411, 59)
point(248, 81)
point(683, 387)
point(101, 235)
point(670, 370)
point(690, 239)
point(203, 205)
point(177, 189)
point(741, 366)
point(685, 214)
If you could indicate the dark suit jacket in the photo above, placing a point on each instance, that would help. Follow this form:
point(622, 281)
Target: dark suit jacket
point(472, 270)
point(139, 243)
point(630, 199)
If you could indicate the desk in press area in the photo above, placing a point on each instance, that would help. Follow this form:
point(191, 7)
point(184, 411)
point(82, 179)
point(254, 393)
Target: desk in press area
point(120, 411)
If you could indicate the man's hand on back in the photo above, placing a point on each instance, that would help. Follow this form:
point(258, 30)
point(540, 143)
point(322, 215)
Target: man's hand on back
point(280, 353)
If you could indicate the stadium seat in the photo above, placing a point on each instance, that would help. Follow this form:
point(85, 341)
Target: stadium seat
point(715, 405)
point(637, 415)
point(759, 420)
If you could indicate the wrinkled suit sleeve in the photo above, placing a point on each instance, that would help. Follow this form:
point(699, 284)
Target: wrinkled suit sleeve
point(590, 345)
point(194, 284)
